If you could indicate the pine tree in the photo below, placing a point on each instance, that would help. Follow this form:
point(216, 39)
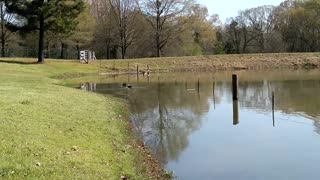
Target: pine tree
point(45, 15)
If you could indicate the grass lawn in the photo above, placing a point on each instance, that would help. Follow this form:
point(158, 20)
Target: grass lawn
point(49, 131)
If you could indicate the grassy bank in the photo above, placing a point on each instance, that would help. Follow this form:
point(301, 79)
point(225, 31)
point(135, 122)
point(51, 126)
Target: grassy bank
point(49, 131)
point(217, 62)
point(190, 63)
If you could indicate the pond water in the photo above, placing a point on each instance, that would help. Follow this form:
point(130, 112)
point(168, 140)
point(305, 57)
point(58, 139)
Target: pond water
point(200, 133)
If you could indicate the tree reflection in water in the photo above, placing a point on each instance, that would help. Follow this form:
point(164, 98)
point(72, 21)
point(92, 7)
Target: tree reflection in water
point(165, 114)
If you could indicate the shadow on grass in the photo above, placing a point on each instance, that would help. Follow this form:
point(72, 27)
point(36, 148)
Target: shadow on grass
point(17, 62)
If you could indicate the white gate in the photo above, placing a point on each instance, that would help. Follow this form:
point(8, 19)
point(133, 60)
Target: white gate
point(86, 56)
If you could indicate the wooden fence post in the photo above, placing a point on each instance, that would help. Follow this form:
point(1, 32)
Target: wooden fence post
point(273, 109)
point(128, 68)
point(235, 87)
point(137, 69)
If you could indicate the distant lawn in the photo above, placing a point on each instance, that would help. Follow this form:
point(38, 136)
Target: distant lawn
point(214, 62)
point(49, 131)
point(188, 63)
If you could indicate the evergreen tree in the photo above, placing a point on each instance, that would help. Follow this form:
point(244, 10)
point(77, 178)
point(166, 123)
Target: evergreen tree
point(45, 15)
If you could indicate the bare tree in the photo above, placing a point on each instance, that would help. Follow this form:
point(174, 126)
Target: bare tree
point(105, 35)
point(255, 27)
point(162, 16)
point(234, 36)
point(247, 35)
point(124, 13)
point(261, 22)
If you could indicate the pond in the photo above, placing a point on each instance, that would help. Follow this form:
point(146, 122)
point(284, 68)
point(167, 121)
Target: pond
point(199, 132)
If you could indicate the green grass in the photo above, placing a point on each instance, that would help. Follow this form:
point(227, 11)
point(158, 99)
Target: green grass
point(49, 131)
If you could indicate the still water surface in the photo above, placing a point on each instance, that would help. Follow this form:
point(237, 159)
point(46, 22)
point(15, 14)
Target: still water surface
point(202, 134)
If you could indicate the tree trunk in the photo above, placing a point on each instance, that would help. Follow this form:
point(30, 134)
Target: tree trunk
point(158, 30)
point(3, 40)
point(108, 52)
point(122, 39)
point(123, 51)
point(62, 51)
point(158, 45)
point(48, 49)
point(41, 40)
point(122, 46)
point(78, 50)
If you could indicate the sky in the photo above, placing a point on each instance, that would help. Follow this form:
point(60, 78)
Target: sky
point(230, 8)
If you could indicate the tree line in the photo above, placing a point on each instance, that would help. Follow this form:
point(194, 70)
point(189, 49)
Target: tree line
point(117, 29)
point(152, 28)
point(293, 26)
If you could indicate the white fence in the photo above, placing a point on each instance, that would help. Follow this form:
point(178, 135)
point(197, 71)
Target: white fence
point(86, 56)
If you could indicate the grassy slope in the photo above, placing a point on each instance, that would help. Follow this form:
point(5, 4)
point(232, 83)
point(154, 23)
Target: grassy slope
point(195, 63)
point(53, 132)
point(217, 62)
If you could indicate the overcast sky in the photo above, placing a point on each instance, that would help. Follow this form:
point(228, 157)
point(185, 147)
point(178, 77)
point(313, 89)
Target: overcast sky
point(230, 8)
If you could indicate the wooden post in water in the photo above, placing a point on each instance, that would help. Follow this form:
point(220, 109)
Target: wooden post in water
point(235, 87)
point(235, 113)
point(137, 69)
point(128, 71)
point(198, 85)
point(114, 78)
point(213, 94)
point(137, 72)
point(148, 68)
point(273, 109)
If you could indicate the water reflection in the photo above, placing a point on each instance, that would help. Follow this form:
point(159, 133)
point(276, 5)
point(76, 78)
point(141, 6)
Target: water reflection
point(89, 86)
point(170, 115)
point(164, 114)
point(235, 112)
